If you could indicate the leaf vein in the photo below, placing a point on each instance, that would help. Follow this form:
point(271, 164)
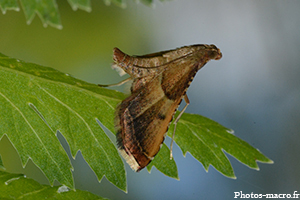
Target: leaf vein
point(80, 117)
point(27, 122)
point(196, 135)
point(32, 192)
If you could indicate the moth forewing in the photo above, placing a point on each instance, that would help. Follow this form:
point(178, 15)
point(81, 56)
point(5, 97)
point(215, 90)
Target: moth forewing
point(160, 81)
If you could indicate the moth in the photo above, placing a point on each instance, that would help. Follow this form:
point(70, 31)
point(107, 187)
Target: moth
point(160, 81)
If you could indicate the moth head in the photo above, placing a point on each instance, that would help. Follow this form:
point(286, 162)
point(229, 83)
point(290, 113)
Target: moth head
point(118, 57)
point(214, 53)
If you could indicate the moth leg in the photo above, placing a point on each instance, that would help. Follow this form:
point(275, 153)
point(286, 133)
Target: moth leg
point(116, 84)
point(187, 101)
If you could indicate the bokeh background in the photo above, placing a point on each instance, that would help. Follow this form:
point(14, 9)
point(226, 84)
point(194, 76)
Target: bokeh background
point(254, 89)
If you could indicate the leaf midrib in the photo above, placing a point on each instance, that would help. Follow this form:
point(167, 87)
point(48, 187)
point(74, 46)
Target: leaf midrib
point(73, 86)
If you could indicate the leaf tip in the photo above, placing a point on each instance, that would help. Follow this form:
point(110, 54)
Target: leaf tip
point(266, 161)
point(28, 22)
point(233, 177)
point(270, 161)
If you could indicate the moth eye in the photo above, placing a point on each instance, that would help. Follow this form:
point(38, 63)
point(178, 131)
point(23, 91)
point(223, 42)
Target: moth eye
point(216, 55)
point(213, 46)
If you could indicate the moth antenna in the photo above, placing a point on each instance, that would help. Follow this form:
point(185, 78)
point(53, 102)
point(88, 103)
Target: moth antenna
point(116, 84)
point(187, 101)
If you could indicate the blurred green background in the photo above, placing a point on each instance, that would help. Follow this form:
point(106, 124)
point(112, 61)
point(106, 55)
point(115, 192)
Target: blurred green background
point(254, 89)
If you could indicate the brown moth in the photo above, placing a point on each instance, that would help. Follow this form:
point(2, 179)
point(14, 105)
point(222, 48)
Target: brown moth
point(160, 82)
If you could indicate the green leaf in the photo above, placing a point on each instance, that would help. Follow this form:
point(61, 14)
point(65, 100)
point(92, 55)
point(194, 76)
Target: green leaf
point(36, 102)
point(163, 164)
point(81, 4)
point(205, 139)
point(47, 10)
point(16, 186)
point(9, 5)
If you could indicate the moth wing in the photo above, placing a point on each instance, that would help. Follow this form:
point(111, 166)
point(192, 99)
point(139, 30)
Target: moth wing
point(142, 121)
